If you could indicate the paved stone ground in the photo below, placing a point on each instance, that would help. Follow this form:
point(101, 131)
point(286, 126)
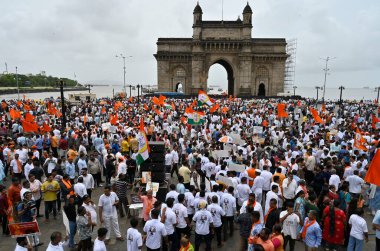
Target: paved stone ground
point(8, 243)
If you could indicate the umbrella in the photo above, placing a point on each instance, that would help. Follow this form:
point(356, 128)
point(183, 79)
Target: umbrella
point(226, 139)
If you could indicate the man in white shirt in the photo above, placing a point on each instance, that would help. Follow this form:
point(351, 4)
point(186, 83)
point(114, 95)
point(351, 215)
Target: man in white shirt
point(122, 166)
point(155, 231)
point(183, 223)
point(359, 230)
point(56, 243)
point(289, 186)
point(50, 163)
point(99, 244)
point(108, 214)
point(243, 191)
point(217, 213)
point(28, 166)
point(189, 202)
point(169, 218)
point(256, 206)
point(258, 184)
point(290, 222)
point(134, 238)
point(271, 195)
point(80, 190)
point(22, 244)
point(175, 158)
point(355, 184)
point(88, 181)
point(228, 203)
point(203, 222)
point(334, 179)
point(168, 162)
point(173, 193)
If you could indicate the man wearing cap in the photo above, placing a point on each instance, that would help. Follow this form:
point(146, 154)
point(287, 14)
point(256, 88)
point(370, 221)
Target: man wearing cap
point(203, 226)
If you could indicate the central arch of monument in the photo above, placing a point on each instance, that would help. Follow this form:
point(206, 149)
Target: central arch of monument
point(255, 66)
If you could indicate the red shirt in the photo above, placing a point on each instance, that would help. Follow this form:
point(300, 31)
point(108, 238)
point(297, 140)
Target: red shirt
point(14, 194)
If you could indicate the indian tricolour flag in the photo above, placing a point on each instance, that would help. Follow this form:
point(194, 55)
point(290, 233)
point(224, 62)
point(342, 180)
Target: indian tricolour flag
point(195, 118)
point(203, 98)
point(167, 106)
point(143, 153)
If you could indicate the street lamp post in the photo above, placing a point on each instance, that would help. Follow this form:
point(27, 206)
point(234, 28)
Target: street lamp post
point(18, 89)
point(341, 88)
point(138, 92)
point(294, 90)
point(130, 90)
point(378, 93)
point(326, 70)
point(318, 88)
point(124, 69)
point(61, 84)
point(89, 88)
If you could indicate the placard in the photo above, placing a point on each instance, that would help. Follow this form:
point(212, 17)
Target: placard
point(226, 181)
point(113, 129)
point(23, 229)
point(258, 129)
point(135, 199)
point(220, 154)
point(236, 167)
point(146, 177)
point(154, 186)
point(106, 126)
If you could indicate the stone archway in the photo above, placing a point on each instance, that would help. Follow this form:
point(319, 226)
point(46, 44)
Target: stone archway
point(179, 87)
point(230, 75)
point(261, 90)
point(228, 43)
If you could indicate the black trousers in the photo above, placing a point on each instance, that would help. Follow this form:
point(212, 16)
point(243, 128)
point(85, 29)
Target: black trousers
point(49, 206)
point(38, 204)
point(174, 169)
point(59, 201)
point(4, 223)
point(123, 202)
point(173, 239)
point(377, 244)
point(97, 179)
point(89, 192)
point(292, 242)
point(228, 220)
point(218, 233)
point(85, 245)
point(198, 240)
point(181, 231)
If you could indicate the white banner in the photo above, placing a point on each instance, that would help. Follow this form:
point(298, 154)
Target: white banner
point(236, 167)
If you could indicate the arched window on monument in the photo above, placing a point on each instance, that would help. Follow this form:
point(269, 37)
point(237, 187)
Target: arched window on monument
point(179, 79)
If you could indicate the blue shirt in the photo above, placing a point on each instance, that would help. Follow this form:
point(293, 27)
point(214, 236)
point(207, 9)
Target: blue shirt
point(70, 170)
point(39, 143)
point(181, 188)
point(376, 220)
point(313, 236)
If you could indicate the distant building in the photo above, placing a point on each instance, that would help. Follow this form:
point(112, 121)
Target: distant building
point(255, 66)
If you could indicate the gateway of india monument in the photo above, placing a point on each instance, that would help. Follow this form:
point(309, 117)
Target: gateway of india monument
point(255, 66)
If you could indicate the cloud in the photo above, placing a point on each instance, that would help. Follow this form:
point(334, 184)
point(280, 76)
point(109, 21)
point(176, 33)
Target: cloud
point(67, 36)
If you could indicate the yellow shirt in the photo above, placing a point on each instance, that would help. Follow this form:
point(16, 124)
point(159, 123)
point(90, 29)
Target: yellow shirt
point(54, 141)
point(50, 190)
point(185, 173)
point(124, 146)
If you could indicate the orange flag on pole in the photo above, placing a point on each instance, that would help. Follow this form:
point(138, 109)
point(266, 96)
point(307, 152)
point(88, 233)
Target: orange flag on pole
point(359, 140)
point(281, 113)
point(117, 105)
point(45, 128)
point(14, 114)
point(146, 107)
point(372, 175)
point(214, 108)
point(29, 126)
point(316, 117)
point(375, 120)
point(29, 117)
point(114, 119)
point(27, 107)
point(157, 112)
point(173, 106)
point(225, 109)
point(156, 101)
point(162, 99)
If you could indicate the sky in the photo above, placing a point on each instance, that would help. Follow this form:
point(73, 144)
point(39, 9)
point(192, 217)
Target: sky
point(68, 38)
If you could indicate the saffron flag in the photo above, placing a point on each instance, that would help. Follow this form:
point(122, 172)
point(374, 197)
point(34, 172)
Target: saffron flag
point(173, 106)
point(45, 128)
point(214, 108)
point(281, 113)
point(372, 175)
point(29, 126)
point(104, 110)
point(14, 114)
point(157, 112)
point(375, 120)
point(316, 117)
point(143, 153)
point(203, 98)
point(156, 101)
point(146, 108)
point(27, 107)
point(359, 141)
point(225, 109)
point(195, 118)
point(117, 105)
point(114, 119)
point(29, 117)
point(189, 110)
point(162, 99)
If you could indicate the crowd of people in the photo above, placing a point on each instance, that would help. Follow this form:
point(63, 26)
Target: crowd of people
point(303, 176)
